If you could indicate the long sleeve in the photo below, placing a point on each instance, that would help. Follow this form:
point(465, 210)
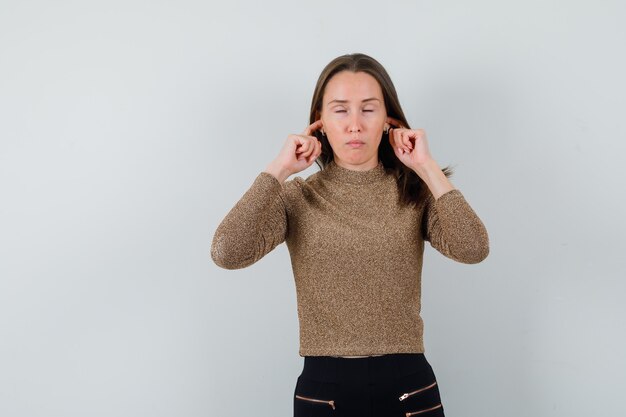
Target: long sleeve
point(253, 227)
point(452, 227)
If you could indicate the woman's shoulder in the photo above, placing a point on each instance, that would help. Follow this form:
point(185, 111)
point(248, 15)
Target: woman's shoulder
point(300, 187)
point(299, 183)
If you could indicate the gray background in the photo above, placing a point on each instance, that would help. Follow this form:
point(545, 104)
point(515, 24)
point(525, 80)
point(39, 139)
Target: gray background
point(128, 129)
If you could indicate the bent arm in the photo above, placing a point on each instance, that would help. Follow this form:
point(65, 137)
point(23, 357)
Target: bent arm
point(253, 227)
point(453, 228)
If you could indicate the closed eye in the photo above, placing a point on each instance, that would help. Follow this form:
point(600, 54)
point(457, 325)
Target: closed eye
point(343, 111)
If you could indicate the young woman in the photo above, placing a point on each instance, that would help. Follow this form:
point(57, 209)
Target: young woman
point(355, 232)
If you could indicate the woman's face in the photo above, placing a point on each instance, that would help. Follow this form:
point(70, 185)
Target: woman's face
point(353, 109)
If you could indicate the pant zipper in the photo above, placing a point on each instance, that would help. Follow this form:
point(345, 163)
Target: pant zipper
point(331, 402)
point(412, 413)
point(408, 394)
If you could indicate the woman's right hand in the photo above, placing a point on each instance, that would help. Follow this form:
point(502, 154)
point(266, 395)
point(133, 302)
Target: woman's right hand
point(297, 154)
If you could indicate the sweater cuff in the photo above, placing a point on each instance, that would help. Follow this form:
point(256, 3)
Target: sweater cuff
point(268, 181)
point(450, 201)
point(449, 194)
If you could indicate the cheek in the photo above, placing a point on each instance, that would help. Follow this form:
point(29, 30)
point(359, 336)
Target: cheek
point(332, 123)
point(333, 131)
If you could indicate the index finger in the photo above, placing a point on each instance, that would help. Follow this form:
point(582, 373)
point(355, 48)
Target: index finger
point(395, 122)
point(313, 127)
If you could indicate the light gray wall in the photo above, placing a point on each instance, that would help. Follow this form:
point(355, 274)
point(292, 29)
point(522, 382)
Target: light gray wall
point(128, 129)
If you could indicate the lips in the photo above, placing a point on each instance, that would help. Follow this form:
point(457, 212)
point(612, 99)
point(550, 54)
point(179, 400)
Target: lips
point(356, 144)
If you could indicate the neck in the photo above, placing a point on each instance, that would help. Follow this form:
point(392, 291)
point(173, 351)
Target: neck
point(336, 173)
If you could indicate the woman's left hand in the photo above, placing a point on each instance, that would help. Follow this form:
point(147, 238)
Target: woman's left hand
point(409, 145)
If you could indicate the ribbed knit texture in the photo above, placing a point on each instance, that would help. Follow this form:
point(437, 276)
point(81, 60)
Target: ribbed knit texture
point(356, 253)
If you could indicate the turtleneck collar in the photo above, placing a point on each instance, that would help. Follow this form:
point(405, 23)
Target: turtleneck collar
point(337, 173)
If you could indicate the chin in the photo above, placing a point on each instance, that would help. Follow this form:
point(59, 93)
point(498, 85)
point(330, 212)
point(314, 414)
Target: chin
point(357, 159)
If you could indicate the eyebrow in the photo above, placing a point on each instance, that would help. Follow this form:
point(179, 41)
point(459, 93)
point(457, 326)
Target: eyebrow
point(346, 101)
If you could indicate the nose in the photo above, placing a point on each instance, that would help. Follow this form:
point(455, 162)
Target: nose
point(355, 124)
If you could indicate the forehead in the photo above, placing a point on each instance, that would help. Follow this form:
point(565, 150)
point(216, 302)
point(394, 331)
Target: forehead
point(352, 86)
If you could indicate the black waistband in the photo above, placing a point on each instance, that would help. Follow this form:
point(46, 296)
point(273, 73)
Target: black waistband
point(371, 368)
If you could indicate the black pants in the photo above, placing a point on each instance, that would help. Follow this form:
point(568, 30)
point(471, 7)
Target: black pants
point(392, 385)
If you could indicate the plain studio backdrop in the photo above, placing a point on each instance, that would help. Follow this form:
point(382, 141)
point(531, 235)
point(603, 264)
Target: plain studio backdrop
point(129, 129)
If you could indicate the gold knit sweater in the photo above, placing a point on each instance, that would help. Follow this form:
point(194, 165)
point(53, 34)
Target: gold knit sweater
point(356, 253)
